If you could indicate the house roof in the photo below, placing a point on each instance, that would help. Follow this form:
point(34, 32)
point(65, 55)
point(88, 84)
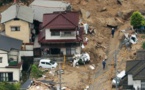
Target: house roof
point(15, 11)
point(136, 68)
point(8, 43)
point(140, 55)
point(61, 20)
point(41, 7)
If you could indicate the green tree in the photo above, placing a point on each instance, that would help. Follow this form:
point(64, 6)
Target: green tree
point(35, 72)
point(137, 19)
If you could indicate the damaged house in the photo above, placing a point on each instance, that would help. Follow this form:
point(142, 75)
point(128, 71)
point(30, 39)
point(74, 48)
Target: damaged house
point(60, 34)
point(10, 62)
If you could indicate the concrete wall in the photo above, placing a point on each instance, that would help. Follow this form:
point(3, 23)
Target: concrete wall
point(4, 56)
point(137, 84)
point(16, 72)
point(23, 34)
point(49, 37)
point(130, 80)
point(77, 50)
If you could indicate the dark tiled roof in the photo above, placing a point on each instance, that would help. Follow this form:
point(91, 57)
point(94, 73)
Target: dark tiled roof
point(124, 83)
point(136, 68)
point(8, 43)
point(140, 55)
point(60, 20)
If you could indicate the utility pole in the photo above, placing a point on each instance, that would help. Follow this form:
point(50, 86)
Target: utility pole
point(59, 73)
point(115, 60)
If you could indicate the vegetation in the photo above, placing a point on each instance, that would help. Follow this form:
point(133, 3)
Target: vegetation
point(35, 72)
point(137, 19)
point(143, 45)
point(9, 86)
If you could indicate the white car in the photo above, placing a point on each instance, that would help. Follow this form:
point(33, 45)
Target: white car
point(117, 79)
point(47, 63)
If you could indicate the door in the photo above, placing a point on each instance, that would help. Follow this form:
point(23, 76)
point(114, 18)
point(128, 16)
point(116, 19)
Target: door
point(48, 65)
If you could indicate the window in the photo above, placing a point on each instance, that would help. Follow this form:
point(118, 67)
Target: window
point(6, 76)
point(55, 33)
point(48, 63)
point(15, 28)
point(142, 85)
point(42, 62)
point(67, 33)
point(0, 59)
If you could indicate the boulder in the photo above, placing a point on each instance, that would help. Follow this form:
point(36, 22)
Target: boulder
point(125, 14)
point(103, 9)
point(85, 14)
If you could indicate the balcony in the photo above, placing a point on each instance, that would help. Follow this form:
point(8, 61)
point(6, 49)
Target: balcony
point(13, 63)
point(67, 35)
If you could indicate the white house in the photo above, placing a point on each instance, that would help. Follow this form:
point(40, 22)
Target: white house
point(135, 75)
point(10, 62)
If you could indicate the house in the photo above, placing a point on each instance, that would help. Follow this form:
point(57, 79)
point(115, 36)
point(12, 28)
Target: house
point(135, 75)
point(10, 62)
point(41, 7)
point(18, 20)
point(61, 34)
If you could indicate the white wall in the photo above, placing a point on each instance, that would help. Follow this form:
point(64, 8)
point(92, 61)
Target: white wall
point(130, 80)
point(26, 53)
point(4, 60)
point(63, 50)
point(1, 51)
point(49, 37)
point(16, 72)
point(137, 84)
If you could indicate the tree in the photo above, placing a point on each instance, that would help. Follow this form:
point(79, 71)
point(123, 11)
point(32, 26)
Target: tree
point(137, 19)
point(35, 72)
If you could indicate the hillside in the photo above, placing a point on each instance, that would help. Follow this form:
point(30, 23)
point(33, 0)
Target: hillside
point(98, 14)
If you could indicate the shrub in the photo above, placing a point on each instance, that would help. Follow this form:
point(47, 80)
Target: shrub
point(35, 72)
point(143, 45)
point(137, 19)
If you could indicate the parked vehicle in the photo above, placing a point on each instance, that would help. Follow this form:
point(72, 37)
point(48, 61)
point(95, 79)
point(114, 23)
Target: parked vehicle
point(118, 78)
point(47, 63)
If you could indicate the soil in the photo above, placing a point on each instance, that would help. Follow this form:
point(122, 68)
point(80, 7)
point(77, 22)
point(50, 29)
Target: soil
point(77, 78)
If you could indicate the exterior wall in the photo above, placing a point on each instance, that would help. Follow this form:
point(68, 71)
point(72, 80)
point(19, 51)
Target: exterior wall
point(77, 49)
point(49, 37)
point(130, 80)
point(4, 56)
point(23, 34)
point(16, 72)
point(137, 84)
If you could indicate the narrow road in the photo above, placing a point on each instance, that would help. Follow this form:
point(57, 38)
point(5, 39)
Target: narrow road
point(100, 79)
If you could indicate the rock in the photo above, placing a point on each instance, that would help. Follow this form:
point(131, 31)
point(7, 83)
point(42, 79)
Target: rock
point(85, 14)
point(125, 14)
point(103, 9)
point(88, 14)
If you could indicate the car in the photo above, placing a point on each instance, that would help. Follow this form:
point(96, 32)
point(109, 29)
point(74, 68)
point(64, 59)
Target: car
point(118, 78)
point(47, 63)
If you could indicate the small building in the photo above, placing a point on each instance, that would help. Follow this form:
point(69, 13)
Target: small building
point(41, 7)
point(10, 60)
point(61, 34)
point(17, 20)
point(135, 75)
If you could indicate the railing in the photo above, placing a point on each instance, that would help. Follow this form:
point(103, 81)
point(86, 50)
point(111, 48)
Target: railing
point(13, 63)
point(67, 35)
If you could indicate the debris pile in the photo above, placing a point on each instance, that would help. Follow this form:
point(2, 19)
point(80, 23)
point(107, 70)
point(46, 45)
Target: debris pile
point(38, 85)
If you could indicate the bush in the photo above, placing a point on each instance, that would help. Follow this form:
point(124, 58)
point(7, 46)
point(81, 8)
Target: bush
point(35, 72)
point(9, 86)
point(143, 45)
point(137, 19)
